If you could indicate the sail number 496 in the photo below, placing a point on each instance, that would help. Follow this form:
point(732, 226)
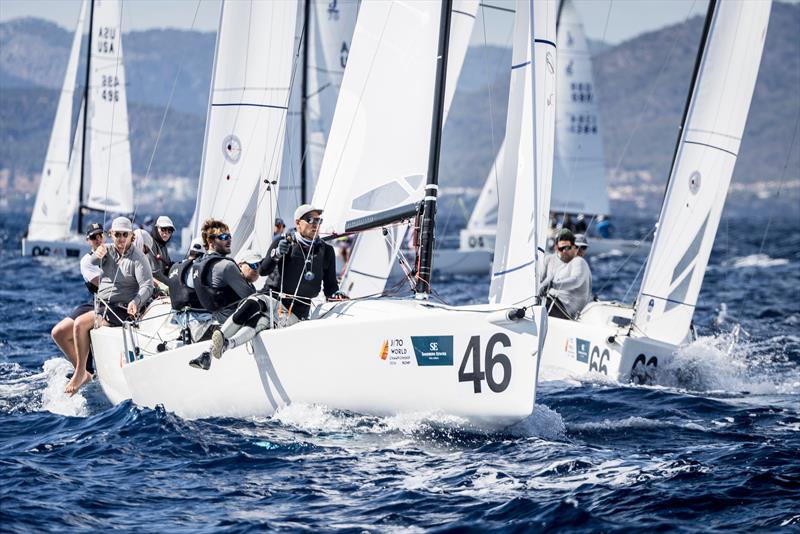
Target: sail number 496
point(490, 361)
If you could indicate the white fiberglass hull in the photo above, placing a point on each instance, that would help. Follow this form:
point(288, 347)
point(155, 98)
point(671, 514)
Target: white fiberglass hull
point(599, 342)
point(378, 357)
point(74, 247)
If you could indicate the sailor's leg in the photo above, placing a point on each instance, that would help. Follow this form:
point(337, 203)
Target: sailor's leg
point(256, 322)
point(62, 335)
point(82, 327)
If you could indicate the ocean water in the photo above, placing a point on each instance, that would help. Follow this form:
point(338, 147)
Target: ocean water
point(715, 446)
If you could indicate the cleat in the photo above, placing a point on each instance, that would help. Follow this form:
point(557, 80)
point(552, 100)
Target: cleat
point(202, 362)
point(218, 344)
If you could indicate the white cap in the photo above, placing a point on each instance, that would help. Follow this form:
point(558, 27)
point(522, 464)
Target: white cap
point(581, 241)
point(164, 222)
point(249, 256)
point(304, 209)
point(197, 245)
point(121, 224)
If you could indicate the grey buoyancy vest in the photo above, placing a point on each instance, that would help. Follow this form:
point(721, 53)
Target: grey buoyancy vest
point(181, 295)
point(212, 298)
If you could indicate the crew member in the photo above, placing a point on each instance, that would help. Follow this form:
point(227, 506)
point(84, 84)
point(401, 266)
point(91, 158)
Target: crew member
point(566, 279)
point(298, 266)
point(162, 233)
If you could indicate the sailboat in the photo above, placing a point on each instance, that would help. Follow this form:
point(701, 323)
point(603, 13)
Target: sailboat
point(95, 175)
point(579, 176)
point(400, 355)
point(629, 342)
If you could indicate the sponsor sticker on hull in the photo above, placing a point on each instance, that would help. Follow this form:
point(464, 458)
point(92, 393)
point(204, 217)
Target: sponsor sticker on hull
point(433, 350)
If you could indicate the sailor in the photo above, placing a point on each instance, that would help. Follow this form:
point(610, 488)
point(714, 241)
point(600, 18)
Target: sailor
point(298, 266)
point(566, 279)
point(217, 279)
point(189, 312)
point(249, 262)
point(162, 233)
point(604, 228)
point(582, 244)
point(65, 332)
point(279, 229)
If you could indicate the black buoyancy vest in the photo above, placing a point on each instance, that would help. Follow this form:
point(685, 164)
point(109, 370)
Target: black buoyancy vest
point(181, 295)
point(212, 298)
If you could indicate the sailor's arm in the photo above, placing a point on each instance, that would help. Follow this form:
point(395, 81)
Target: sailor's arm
point(144, 276)
point(576, 275)
point(329, 281)
point(234, 279)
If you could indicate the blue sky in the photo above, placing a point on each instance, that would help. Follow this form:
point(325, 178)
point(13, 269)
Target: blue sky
point(610, 20)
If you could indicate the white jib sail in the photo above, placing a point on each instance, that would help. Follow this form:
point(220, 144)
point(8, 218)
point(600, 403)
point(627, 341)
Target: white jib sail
point(246, 120)
point(374, 254)
point(108, 180)
point(330, 31)
point(53, 210)
point(484, 214)
point(524, 186)
point(702, 170)
point(579, 176)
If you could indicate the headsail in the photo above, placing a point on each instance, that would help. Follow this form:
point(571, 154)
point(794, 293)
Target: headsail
point(374, 254)
point(329, 33)
point(55, 205)
point(108, 184)
point(709, 144)
point(247, 119)
point(484, 214)
point(524, 188)
point(579, 174)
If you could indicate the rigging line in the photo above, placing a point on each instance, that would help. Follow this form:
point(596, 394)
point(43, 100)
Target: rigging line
point(625, 262)
point(650, 93)
point(772, 212)
point(495, 150)
point(169, 104)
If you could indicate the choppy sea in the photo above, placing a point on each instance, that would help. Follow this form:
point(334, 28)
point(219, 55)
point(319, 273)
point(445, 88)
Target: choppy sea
point(714, 447)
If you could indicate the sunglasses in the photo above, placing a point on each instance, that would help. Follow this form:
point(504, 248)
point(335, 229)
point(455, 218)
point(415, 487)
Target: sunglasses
point(118, 235)
point(221, 237)
point(312, 220)
point(565, 248)
point(253, 266)
point(166, 229)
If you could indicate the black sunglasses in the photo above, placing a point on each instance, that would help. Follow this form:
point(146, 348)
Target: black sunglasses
point(120, 234)
point(221, 237)
point(565, 248)
point(166, 229)
point(312, 220)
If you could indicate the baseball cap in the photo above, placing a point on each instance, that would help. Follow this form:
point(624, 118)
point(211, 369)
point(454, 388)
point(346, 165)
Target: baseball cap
point(279, 222)
point(581, 241)
point(249, 256)
point(164, 222)
point(197, 245)
point(121, 224)
point(303, 210)
point(94, 228)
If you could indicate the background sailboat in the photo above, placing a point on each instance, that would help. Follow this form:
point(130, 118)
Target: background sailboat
point(96, 175)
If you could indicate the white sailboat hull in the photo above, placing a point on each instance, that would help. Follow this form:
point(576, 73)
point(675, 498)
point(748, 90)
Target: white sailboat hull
point(75, 247)
point(373, 357)
point(595, 343)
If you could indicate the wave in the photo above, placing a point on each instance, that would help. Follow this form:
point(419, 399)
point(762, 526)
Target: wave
point(754, 260)
point(23, 391)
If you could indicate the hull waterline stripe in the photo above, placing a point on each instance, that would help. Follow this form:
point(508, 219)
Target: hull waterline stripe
point(501, 273)
point(248, 104)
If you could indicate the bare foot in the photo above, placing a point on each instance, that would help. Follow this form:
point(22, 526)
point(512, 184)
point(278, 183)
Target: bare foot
point(76, 383)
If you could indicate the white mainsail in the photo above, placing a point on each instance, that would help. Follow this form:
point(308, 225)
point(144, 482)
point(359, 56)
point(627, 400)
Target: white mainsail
point(374, 254)
point(702, 169)
point(55, 202)
point(524, 188)
point(579, 175)
point(246, 120)
point(108, 184)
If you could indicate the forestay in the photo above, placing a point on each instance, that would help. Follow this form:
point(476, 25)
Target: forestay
point(108, 184)
point(579, 179)
point(702, 169)
point(246, 120)
point(524, 186)
point(374, 254)
point(57, 197)
point(330, 30)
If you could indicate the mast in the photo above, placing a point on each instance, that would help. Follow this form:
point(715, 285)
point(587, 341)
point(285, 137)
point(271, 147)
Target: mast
point(85, 114)
point(712, 5)
point(432, 186)
point(303, 103)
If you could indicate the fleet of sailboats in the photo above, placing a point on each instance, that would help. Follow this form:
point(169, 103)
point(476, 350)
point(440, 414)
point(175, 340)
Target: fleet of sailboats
point(384, 355)
point(93, 174)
